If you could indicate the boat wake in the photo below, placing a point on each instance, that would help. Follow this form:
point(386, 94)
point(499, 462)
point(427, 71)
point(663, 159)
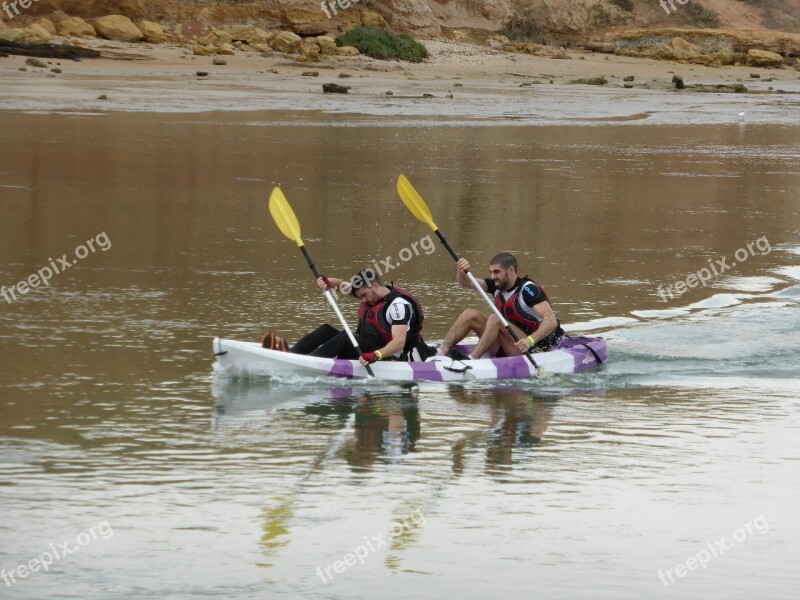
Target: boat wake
point(742, 335)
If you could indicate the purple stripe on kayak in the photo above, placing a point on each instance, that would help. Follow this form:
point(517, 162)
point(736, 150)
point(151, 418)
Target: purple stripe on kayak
point(342, 368)
point(425, 371)
point(583, 358)
point(512, 367)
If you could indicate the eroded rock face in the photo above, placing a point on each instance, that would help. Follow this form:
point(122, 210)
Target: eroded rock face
point(682, 49)
point(153, 32)
point(10, 34)
point(34, 34)
point(534, 49)
point(327, 45)
point(309, 49)
point(287, 42)
point(763, 58)
point(117, 27)
point(420, 17)
point(201, 50)
point(215, 38)
point(248, 35)
point(46, 24)
point(76, 27)
point(347, 51)
point(705, 47)
point(225, 49)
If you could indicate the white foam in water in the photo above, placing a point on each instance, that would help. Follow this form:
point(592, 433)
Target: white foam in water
point(660, 314)
point(625, 282)
point(601, 323)
point(790, 249)
point(793, 272)
point(750, 284)
point(717, 301)
point(790, 292)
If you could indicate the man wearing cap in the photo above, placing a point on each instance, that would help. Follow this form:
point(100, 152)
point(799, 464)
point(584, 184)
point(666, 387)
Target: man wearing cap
point(389, 324)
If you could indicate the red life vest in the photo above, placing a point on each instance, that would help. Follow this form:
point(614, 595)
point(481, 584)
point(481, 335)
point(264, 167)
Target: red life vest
point(374, 330)
point(512, 310)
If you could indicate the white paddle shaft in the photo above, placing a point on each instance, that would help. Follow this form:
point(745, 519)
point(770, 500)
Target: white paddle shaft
point(490, 303)
point(335, 307)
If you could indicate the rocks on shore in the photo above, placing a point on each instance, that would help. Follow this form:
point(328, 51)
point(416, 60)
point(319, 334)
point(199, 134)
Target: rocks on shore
point(704, 47)
point(32, 34)
point(76, 27)
point(153, 33)
point(501, 42)
point(287, 42)
point(118, 28)
point(590, 81)
point(334, 88)
point(47, 25)
point(763, 58)
point(224, 40)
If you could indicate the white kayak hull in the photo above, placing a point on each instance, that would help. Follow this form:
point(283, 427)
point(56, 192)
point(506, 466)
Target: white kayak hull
point(249, 359)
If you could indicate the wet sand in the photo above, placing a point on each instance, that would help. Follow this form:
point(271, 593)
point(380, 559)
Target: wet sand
point(466, 82)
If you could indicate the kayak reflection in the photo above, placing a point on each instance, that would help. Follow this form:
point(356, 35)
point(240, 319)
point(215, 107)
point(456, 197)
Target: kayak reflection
point(319, 436)
point(385, 422)
point(518, 419)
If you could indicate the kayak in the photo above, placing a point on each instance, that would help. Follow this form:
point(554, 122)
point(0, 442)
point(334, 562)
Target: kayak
point(249, 359)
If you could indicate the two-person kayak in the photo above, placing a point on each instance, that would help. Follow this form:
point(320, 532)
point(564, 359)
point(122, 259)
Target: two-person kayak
point(249, 359)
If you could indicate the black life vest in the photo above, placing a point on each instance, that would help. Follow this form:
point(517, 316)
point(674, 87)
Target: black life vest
point(512, 309)
point(374, 330)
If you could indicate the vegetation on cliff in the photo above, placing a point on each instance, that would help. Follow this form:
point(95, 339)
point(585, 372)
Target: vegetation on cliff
point(379, 43)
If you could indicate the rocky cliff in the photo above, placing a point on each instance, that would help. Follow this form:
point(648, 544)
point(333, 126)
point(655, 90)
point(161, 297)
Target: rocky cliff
point(436, 17)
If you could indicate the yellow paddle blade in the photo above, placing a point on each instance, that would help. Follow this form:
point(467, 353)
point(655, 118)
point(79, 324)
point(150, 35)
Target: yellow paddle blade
point(414, 202)
point(284, 216)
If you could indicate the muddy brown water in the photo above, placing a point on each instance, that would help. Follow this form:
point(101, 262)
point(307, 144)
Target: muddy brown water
point(584, 486)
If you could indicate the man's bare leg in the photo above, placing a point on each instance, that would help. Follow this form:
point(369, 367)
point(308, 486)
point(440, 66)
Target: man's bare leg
point(494, 336)
point(469, 320)
point(507, 343)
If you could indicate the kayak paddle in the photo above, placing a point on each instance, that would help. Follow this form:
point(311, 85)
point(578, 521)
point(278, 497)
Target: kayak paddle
point(286, 221)
point(420, 210)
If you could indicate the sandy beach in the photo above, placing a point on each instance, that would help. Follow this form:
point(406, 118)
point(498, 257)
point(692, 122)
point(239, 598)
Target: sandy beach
point(463, 81)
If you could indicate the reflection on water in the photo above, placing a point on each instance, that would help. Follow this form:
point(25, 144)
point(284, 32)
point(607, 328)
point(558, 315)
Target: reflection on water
point(585, 485)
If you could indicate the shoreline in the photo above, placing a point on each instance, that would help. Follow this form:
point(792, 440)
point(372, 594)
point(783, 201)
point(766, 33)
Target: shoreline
point(464, 81)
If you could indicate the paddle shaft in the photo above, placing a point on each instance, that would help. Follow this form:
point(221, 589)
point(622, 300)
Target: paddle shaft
point(483, 294)
point(335, 307)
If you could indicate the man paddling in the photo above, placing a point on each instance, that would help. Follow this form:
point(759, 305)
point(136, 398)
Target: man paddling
point(523, 303)
point(389, 324)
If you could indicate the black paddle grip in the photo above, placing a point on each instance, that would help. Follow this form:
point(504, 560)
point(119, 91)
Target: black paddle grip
point(447, 245)
point(310, 262)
